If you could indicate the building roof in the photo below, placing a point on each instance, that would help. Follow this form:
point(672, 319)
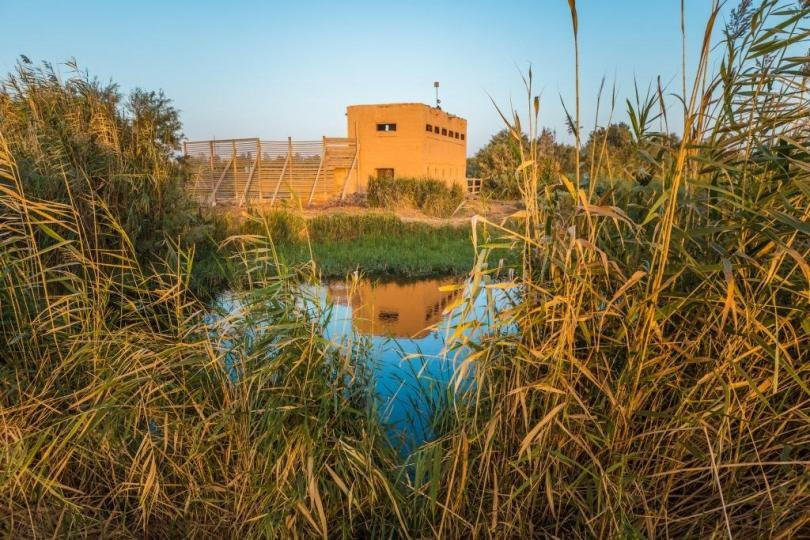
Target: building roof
point(404, 104)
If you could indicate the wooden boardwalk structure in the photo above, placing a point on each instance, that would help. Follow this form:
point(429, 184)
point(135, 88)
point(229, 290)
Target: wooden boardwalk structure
point(246, 172)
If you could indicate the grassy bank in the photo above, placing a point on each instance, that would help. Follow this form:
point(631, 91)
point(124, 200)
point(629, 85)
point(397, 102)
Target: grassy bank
point(376, 245)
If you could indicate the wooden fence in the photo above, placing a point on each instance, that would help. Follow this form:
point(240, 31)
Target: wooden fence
point(473, 186)
point(252, 171)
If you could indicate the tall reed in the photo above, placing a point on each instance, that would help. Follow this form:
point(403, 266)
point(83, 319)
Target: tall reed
point(657, 383)
point(127, 409)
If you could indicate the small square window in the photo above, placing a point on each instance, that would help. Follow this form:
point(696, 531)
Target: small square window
point(387, 174)
point(462, 136)
point(386, 127)
point(429, 128)
point(444, 131)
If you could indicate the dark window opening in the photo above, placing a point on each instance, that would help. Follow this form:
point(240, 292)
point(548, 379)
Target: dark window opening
point(444, 131)
point(462, 136)
point(388, 316)
point(429, 128)
point(386, 127)
point(385, 174)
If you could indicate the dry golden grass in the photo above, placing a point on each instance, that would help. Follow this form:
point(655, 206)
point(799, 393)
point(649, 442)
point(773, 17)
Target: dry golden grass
point(126, 410)
point(652, 382)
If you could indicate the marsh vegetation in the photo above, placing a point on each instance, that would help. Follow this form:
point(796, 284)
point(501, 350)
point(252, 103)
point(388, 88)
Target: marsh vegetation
point(652, 380)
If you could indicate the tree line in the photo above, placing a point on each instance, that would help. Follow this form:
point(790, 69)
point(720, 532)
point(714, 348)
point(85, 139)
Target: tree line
point(611, 155)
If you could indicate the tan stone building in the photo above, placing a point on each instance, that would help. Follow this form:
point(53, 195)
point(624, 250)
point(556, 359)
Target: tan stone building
point(407, 140)
point(393, 140)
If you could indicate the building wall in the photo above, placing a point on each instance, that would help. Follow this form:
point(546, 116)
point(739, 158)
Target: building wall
point(392, 309)
point(411, 150)
point(445, 157)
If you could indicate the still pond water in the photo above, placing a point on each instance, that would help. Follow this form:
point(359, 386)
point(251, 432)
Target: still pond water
point(408, 333)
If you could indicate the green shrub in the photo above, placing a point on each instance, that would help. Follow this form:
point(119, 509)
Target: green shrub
point(431, 196)
point(76, 138)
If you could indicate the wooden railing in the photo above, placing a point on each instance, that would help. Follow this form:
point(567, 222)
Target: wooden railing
point(251, 171)
point(473, 186)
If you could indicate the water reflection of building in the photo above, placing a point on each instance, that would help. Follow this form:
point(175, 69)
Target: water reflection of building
point(394, 309)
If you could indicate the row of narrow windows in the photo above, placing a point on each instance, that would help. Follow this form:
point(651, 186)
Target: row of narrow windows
point(430, 128)
point(452, 172)
point(388, 173)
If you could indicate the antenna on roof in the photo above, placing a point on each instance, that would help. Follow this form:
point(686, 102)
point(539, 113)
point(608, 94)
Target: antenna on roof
point(438, 101)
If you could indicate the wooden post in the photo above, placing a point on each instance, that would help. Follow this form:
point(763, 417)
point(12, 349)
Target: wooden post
point(235, 189)
point(290, 164)
point(211, 158)
point(354, 162)
point(318, 174)
point(259, 166)
point(250, 178)
point(216, 186)
point(278, 184)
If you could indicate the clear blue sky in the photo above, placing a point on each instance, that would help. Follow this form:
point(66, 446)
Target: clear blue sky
point(273, 69)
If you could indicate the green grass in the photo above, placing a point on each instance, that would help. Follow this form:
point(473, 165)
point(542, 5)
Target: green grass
point(376, 245)
point(382, 246)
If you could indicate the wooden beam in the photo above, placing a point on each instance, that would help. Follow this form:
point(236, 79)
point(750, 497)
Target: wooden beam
point(211, 159)
point(259, 166)
point(318, 174)
point(213, 197)
point(346, 181)
point(249, 180)
point(278, 184)
point(235, 187)
point(291, 161)
point(226, 140)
